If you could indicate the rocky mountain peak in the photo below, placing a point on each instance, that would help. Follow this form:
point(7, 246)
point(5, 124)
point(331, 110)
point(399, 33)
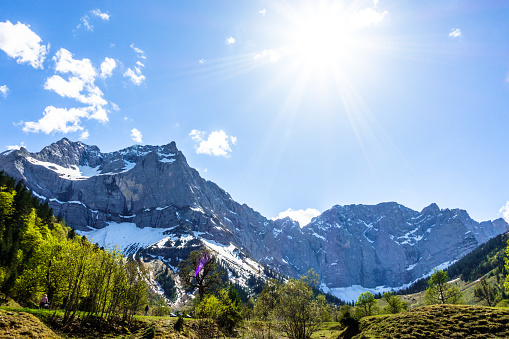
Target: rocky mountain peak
point(432, 209)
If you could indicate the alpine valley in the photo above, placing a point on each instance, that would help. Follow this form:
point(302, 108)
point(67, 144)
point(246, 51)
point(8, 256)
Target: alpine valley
point(148, 200)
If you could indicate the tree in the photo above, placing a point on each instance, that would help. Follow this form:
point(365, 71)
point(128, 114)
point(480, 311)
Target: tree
point(267, 300)
point(346, 316)
point(440, 291)
point(296, 311)
point(394, 303)
point(312, 279)
point(323, 308)
point(200, 271)
point(226, 311)
point(485, 292)
point(366, 305)
point(506, 284)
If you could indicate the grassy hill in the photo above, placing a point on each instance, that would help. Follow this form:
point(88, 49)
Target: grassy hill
point(437, 321)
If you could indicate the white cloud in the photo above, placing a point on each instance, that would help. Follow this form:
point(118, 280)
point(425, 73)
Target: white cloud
point(80, 86)
point(303, 217)
point(107, 67)
point(455, 33)
point(138, 51)
point(22, 44)
point(505, 211)
point(263, 12)
point(267, 55)
point(217, 143)
point(64, 63)
point(16, 147)
point(136, 135)
point(102, 15)
point(135, 76)
point(58, 120)
point(202, 61)
point(85, 20)
point(80, 83)
point(230, 41)
point(4, 90)
point(84, 135)
point(114, 106)
point(66, 88)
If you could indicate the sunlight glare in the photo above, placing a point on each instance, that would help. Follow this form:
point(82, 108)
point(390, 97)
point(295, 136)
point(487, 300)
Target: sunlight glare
point(320, 38)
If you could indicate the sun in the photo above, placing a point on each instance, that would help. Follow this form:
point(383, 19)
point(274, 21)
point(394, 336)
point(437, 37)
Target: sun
point(320, 38)
point(326, 36)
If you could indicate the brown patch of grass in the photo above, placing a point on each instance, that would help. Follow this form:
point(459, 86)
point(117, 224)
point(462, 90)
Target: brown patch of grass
point(23, 325)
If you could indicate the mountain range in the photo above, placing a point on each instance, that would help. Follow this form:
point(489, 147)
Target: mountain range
point(148, 198)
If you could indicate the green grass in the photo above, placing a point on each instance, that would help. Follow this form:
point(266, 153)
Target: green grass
point(466, 288)
point(439, 321)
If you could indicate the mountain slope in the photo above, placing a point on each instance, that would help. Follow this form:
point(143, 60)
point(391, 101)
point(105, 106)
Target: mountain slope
point(148, 197)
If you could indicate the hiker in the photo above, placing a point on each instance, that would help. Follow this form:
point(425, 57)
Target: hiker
point(44, 302)
point(146, 310)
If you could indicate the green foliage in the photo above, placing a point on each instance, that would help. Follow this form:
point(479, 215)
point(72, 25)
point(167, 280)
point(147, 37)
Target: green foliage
point(179, 324)
point(485, 292)
point(225, 311)
point(312, 279)
point(366, 305)
point(323, 309)
point(440, 292)
point(209, 278)
point(160, 309)
point(167, 283)
point(296, 312)
point(506, 284)
point(394, 304)
point(346, 316)
point(267, 300)
point(482, 260)
point(38, 256)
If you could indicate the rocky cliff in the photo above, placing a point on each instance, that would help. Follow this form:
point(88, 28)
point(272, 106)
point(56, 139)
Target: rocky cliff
point(148, 197)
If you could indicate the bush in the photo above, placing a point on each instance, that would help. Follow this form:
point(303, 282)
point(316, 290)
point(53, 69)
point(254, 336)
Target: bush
point(179, 324)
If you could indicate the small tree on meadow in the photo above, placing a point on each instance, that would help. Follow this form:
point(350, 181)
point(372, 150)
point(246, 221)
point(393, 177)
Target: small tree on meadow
point(394, 304)
point(440, 291)
point(366, 305)
point(484, 291)
point(296, 311)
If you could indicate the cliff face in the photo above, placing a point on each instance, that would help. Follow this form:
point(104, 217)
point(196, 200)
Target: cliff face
point(154, 189)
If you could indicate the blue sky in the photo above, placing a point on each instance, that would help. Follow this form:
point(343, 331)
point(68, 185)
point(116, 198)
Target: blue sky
point(284, 104)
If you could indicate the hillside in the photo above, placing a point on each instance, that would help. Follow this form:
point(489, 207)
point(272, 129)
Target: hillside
point(23, 325)
point(437, 321)
point(487, 259)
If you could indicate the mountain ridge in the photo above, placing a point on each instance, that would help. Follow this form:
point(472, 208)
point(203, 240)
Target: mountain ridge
point(153, 187)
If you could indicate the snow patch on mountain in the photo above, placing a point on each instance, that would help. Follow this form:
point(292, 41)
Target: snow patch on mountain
point(124, 235)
